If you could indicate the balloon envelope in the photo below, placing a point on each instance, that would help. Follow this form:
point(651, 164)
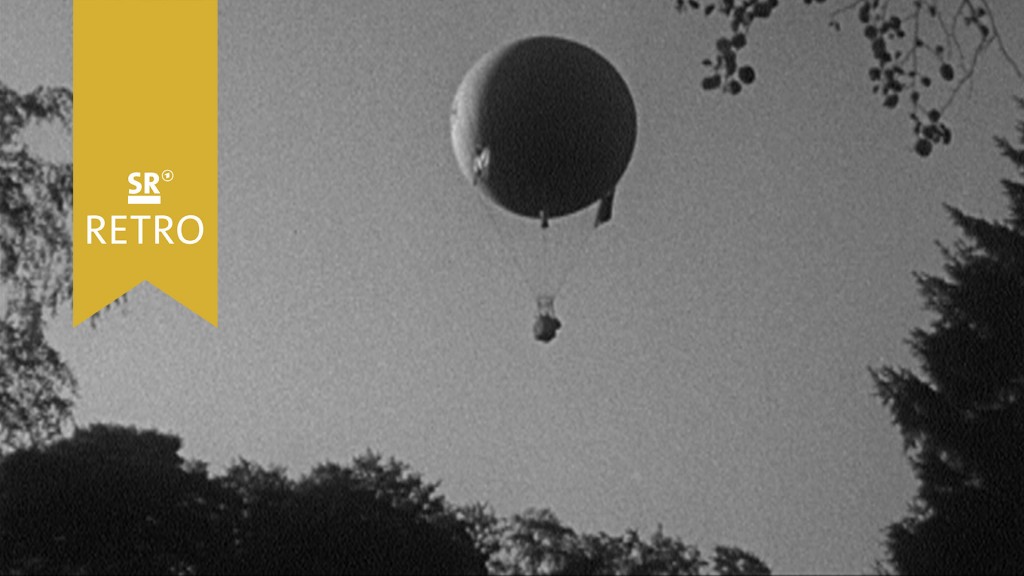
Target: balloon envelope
point(543, 125)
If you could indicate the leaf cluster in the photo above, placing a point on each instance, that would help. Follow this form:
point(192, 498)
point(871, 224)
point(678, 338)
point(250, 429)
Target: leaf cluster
point(537, 542)
point(924, 52)
point(35, 270)
point(725, 73)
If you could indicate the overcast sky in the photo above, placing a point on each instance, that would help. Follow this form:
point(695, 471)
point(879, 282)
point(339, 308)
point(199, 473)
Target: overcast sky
point(712, 374)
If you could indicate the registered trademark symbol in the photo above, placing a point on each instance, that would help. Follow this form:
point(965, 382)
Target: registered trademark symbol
point(167, 175)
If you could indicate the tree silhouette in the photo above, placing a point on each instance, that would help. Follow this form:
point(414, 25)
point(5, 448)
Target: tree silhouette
point(962, 420)
point(374, 517)
point(537, 542)
point(109, 500)
point(924, 51)
point(115, 500)
point(35, 271)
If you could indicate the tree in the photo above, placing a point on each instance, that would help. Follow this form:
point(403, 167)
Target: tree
point(729, 560)
point(537, 542)
point(924, 51)
point(374, 517)
point(109, 500)
point(962, 420)
point(112, 499)
point(36, 386)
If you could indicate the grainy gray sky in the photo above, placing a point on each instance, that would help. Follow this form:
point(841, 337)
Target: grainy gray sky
point(712, 372)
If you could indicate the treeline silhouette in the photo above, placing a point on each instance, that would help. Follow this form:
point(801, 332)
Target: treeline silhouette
point(117, 500)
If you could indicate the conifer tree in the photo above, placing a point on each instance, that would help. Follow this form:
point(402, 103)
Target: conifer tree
point(962, 416)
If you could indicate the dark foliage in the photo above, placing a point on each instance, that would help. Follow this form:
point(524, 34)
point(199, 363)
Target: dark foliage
point(36, 387)
point(963, 419)
point(923, 51)
point(108, 500)
point(371, 518)
point(115, 500)
point(537, 542)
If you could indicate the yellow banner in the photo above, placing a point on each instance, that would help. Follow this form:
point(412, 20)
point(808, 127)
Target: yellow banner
point(145, 152)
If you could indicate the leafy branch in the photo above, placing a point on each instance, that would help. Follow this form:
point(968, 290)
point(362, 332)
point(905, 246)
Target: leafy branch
point(35, 270)
point(925, 51)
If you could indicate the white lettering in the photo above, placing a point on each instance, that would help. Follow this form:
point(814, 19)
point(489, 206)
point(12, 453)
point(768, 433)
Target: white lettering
point(90, 230)
point(163, 229)
point(151, 179)
point(114, 229)
point(163, 226)
point(139, 219)
point(133, 179)
point(198, 222)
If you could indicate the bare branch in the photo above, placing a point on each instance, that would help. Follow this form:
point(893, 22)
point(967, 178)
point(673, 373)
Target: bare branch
point(999, 41)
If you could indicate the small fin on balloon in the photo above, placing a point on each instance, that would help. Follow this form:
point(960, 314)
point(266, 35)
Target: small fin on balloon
point(544, 219)
point(481, 163)
point(604, 210)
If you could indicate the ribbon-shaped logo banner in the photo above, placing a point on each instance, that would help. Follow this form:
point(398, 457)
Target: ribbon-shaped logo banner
point(145, 152)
